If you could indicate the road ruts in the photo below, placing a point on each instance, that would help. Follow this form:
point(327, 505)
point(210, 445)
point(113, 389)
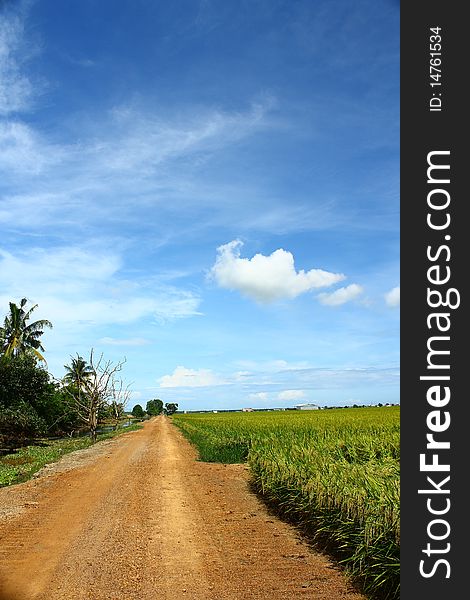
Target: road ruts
point(142, 519)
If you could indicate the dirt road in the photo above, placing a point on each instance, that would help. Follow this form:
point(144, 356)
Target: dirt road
point(138, 518)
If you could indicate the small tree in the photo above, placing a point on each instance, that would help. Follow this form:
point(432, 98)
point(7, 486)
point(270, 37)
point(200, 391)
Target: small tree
point(93, 393)
point(154, 407)
point(138, 412)
point(170, 408)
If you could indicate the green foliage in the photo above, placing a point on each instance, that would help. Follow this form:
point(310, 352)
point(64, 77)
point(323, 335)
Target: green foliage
point(154, 407)
point(78, 372)
point(21, 380)
point(30, 403)
point(335, 473)
point(170, 408)
point(17, 337)
point(115, 410)
point(138, 412)
point(20, 422)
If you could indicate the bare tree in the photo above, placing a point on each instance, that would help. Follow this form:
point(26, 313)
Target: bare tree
point(96, 391)
point(121, 396)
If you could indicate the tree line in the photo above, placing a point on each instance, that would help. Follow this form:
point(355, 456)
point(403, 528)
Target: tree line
point(153, 408)
point(33, 403)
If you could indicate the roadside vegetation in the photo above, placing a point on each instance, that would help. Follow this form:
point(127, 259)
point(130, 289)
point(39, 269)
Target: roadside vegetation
point(22, 464)
point(334, 473)
point(37, 408)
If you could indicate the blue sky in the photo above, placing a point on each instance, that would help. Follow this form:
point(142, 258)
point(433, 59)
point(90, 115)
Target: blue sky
point(209, 189)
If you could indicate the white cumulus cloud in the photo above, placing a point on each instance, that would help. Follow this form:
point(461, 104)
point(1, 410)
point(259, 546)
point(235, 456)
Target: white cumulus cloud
point(183, 377)
point(266, 278)
point(341, 296)
point(392, 298)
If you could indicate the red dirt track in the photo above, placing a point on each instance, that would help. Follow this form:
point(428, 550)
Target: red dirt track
point(138, 518)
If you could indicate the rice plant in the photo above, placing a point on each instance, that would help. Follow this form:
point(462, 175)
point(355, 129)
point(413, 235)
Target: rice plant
point(334, 472)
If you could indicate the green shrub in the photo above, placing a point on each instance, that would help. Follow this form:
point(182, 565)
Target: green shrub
point(30, 402)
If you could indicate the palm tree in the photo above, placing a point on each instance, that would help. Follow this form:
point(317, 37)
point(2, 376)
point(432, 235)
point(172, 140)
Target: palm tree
point(17, 337)
point(78, 373)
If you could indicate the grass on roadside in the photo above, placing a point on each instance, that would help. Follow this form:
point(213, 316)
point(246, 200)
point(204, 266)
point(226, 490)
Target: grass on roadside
point(21, 465)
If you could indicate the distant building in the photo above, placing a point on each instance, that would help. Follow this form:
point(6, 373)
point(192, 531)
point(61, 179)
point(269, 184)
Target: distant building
point(307, 406)
point(247, 409)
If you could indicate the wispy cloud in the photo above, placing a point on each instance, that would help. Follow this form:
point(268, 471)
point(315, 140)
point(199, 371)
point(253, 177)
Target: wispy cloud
point(314, 378)
point(59, 270)
point(291, 395)
point(147, 140)
point(271, 366)
point(16, 90)
point(23, 151)
point(183, 377)
point(258, 396)
point(266, 278)
point(343, 378)
point(84, 285)
point(109, 341)
point(123, 167)
point(81, 62)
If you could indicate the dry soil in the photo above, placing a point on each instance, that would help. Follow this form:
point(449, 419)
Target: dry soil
point(139, 518)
